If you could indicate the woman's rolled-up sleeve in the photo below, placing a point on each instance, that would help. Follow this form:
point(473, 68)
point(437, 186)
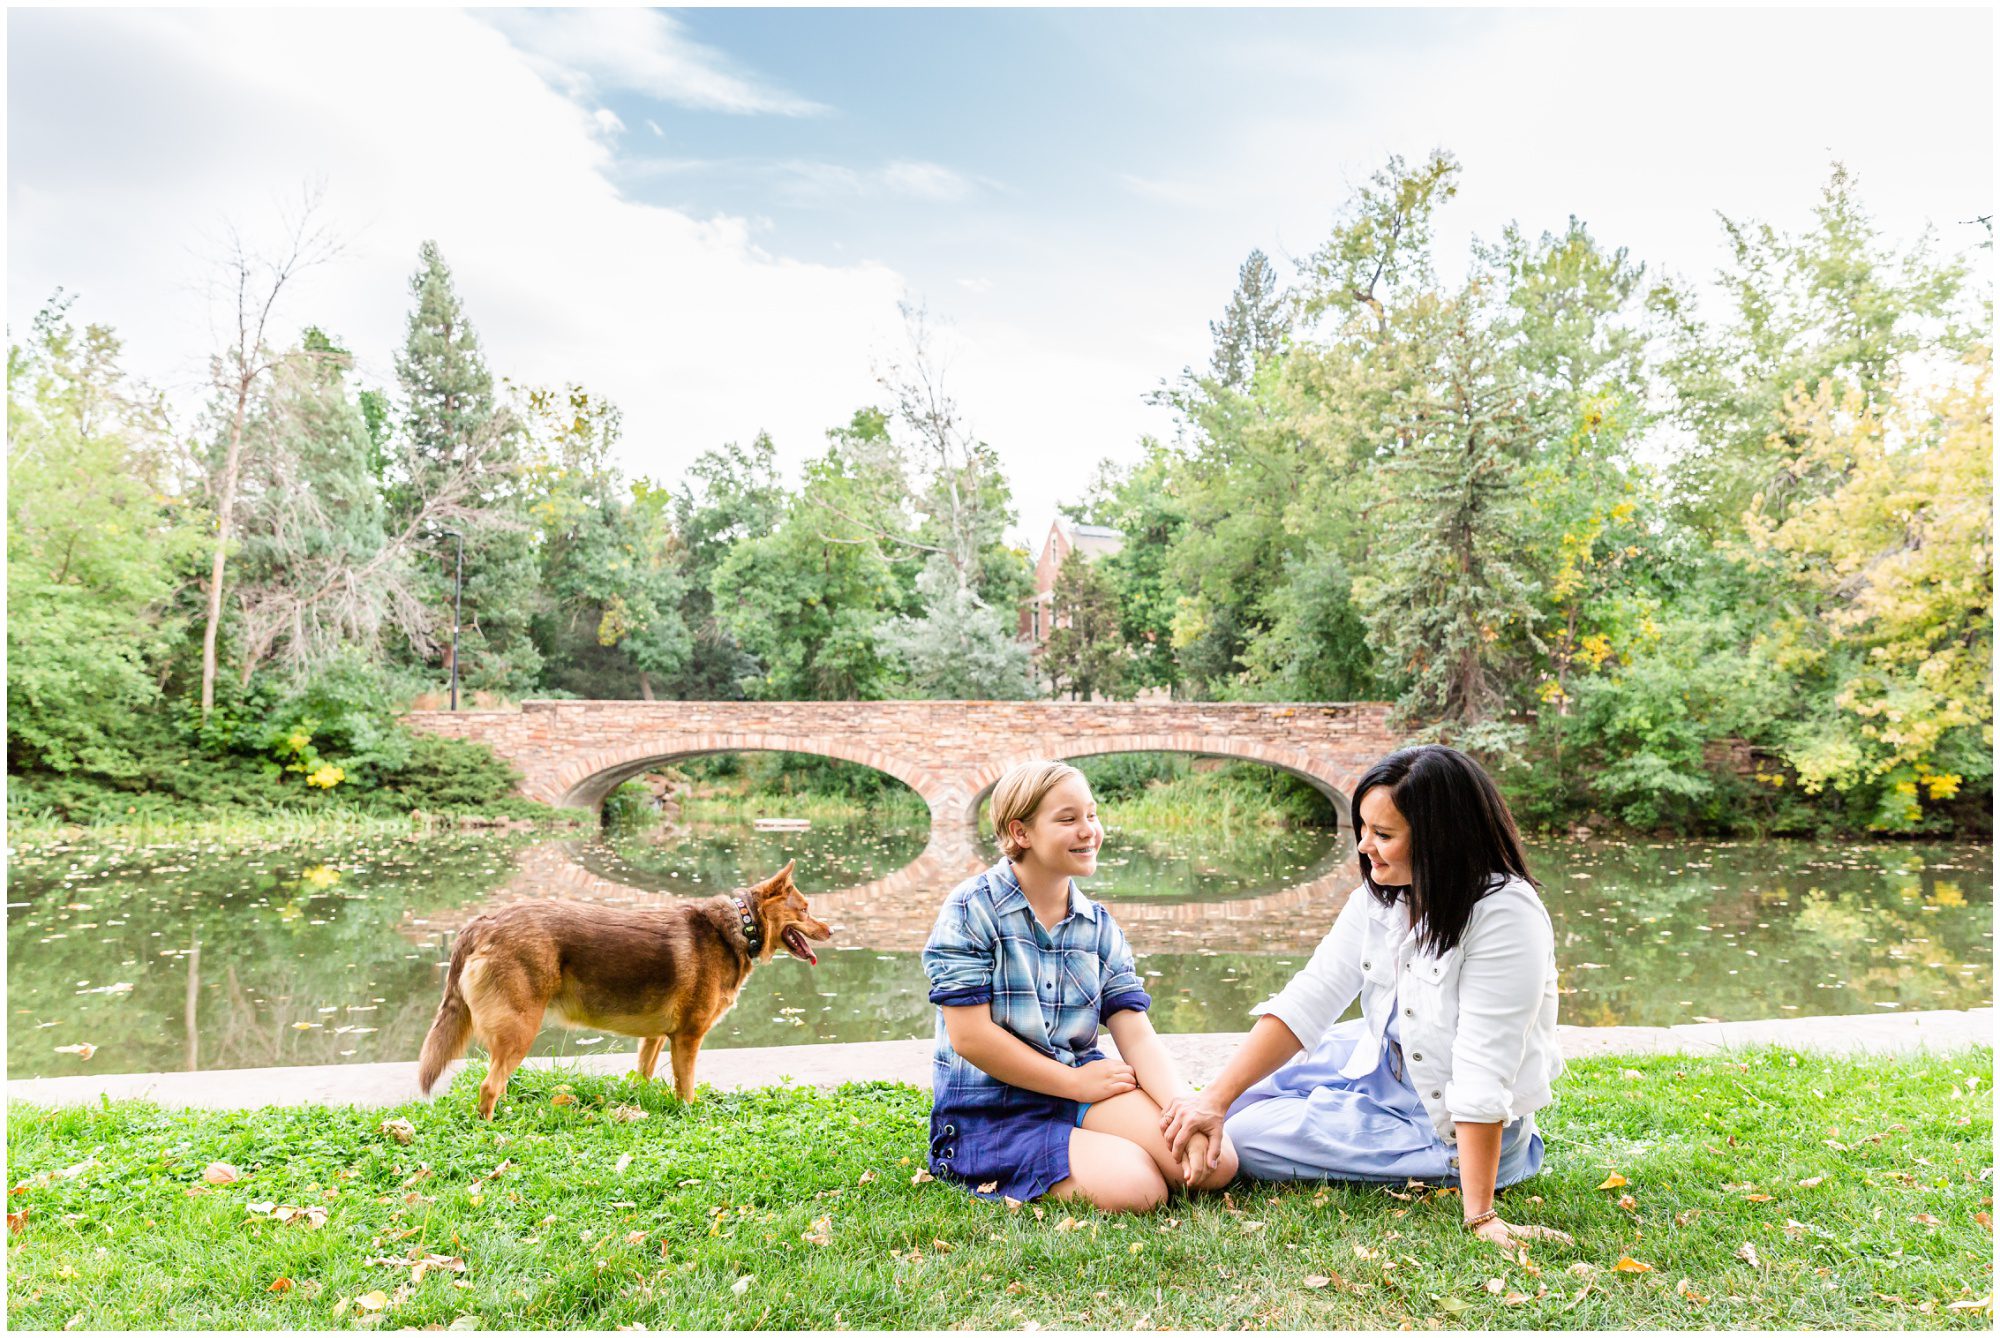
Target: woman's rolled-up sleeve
point(1502, 976)
point(958, 958)
point(1320, 993)
point(1122, 989)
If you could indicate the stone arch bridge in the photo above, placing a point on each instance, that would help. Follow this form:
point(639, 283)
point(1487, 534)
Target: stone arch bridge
point(574, 753)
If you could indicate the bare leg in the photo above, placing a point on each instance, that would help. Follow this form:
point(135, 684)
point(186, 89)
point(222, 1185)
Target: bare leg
point(1135, 1117)
point(649, 1054)
point(1114, 1173)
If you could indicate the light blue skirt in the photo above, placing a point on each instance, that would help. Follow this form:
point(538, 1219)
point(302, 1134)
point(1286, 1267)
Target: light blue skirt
point(1307, 1122)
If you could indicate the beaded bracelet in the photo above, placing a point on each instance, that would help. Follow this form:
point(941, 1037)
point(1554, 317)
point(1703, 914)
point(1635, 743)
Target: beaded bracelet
point(1474, 1223)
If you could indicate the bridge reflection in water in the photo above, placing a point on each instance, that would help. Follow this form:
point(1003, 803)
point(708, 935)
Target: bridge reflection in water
point(894, 913)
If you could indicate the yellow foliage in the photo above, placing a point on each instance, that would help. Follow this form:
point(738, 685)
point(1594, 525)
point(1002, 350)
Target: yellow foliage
point(1899, 547)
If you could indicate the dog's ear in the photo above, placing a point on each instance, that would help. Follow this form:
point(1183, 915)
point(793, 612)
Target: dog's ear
point(778, 881)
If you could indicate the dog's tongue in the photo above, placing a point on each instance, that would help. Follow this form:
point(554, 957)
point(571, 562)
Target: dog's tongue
point(800, 948)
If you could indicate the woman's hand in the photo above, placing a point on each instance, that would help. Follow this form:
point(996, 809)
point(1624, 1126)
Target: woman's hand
point(1101, 1079)
point(1187, 1117)
point(1508, 1235)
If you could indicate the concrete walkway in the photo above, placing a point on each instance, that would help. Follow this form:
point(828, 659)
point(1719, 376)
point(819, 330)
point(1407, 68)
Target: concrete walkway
point(1199, 1056)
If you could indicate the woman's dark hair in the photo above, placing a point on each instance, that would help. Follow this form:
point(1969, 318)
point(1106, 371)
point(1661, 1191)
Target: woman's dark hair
point(1461, 835)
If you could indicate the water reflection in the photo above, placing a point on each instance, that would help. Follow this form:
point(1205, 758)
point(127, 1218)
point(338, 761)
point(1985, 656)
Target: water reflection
point(227, 957)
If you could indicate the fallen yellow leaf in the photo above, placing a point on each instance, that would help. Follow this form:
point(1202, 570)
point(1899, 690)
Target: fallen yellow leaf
point(221, 1173)
point(1614, 1181)
point(281, 1285)
point(1627, 1264)
point(374, 1300)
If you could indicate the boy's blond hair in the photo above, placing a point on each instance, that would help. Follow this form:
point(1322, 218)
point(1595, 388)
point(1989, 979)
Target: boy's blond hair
point(1018, 794)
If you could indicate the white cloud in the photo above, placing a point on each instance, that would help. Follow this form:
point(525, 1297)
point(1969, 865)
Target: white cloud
point(1166, 192)
point(588, 51)
point(803, 182)
point(134, 134)
point(607, 121)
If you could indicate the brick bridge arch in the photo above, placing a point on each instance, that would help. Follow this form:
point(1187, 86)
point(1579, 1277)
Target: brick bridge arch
point(574, 753)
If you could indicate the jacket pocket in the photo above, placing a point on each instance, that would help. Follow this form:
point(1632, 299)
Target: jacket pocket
point(1439, 971)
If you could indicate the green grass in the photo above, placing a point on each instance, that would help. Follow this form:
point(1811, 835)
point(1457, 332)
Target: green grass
point(726, 1189)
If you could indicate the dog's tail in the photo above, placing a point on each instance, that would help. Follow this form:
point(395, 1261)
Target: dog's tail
point(451, 1029)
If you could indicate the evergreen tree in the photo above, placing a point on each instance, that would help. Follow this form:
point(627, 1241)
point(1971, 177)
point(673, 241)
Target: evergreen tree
point(451, 427)
point(1085, 654)
point(312, 577)
point(1252, 327)
point(1441, 601)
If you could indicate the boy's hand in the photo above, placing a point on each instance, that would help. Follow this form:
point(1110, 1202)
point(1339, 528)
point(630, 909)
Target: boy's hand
point(1102, 1079)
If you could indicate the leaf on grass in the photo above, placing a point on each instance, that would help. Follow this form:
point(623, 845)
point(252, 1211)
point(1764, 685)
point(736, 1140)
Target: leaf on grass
point(1317, 1280)
point(1756, 1198)
point(624, 1160)
point(1984, 1219)
point(493, 1174)
point(399, 1131)
point(1495, 1286)
point(1983, 1303)
point(1582, 1268)
point(1811, 1181)
point(17, 1221)
point(562, 1099)
point(464, 1323)
point(742, 1284)
point(372, 1301)
point(1682, 1219)
point(1748, 1254)
point(867, 1178)
point(1627, 1264)
point(1627, 1202)
point(1686, 1288)
point(1925, 1219)
point(989, 1187)
point(1068, 1224)
point(627, 1114)
point(1135, 1247)
point(821, 1232)
point(220, 1173)
point(922, 1178)
point(1451, 1305)
point(281, 1285)
point(1250, 1227)
point(1363, 1252)
point(1614, 1181)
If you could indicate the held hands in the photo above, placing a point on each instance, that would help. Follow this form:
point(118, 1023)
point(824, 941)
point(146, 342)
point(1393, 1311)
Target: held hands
point(1101, 1079)
point(1193, 1123)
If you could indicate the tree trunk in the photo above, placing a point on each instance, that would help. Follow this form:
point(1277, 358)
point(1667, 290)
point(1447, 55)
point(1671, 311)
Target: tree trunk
point(225, 503)
point(645, 686)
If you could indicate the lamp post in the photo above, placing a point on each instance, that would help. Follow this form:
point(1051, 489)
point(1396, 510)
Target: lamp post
point(457, 609)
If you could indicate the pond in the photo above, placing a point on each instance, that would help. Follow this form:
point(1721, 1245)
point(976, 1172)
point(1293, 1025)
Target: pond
point(214, 956)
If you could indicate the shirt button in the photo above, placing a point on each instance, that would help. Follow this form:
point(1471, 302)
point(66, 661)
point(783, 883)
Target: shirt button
point(1416, 1056)
point(1366, 965)
point(1409, 1012)
point(1437, 1096)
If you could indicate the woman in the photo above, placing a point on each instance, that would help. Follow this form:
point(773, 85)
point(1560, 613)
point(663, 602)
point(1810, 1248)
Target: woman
point(1453, 956)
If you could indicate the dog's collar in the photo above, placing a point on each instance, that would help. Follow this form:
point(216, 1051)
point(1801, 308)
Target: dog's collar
point(750, 930)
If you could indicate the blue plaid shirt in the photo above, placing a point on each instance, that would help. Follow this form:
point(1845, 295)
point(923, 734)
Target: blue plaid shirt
point(1050, 987)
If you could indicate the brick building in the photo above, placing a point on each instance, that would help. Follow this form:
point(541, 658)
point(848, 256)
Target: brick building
point(1065, 540)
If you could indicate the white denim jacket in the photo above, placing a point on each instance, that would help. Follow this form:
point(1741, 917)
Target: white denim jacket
point(1479, 1022)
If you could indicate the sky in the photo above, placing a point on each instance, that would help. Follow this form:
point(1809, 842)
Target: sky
point(710, 216)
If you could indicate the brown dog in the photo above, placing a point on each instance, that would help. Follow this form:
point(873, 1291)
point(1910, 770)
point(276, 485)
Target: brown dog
point(663, 974)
